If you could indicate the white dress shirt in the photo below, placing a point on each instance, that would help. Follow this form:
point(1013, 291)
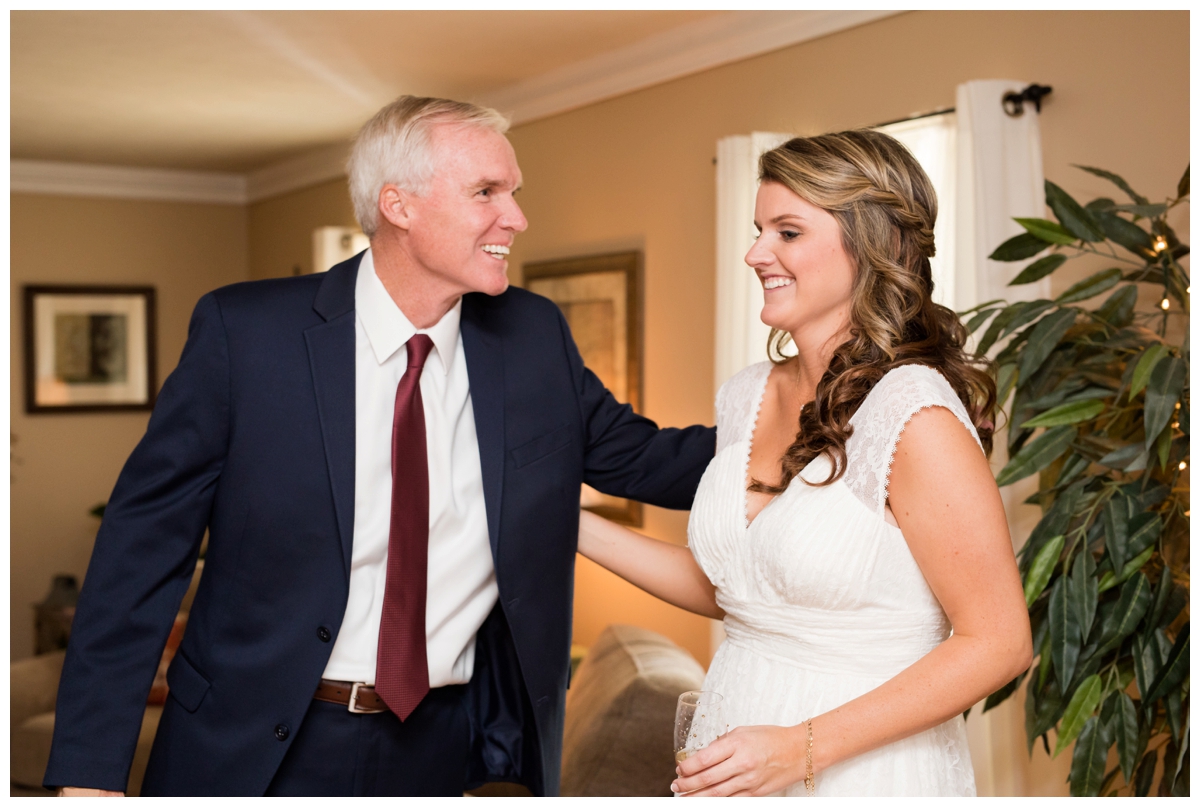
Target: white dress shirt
point(462, 580)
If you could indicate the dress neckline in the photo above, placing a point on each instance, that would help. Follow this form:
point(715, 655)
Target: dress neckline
point(750, 432)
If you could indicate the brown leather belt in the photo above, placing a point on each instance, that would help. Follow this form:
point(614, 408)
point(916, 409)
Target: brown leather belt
point(358, 698)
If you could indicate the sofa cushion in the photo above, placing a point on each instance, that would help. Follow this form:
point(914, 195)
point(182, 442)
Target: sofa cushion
point(620, 714)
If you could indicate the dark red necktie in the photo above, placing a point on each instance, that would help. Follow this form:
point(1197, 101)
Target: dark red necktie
point(402, 669)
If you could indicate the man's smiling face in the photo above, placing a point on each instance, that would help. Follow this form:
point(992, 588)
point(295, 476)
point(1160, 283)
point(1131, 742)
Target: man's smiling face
point(461, 230)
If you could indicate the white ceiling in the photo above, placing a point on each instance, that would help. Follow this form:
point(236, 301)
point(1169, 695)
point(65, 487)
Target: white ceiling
point(234, 90)
point(275, 95)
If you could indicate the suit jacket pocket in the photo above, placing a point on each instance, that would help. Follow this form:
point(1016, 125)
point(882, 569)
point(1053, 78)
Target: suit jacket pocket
point(540, 447)
point(187, 685)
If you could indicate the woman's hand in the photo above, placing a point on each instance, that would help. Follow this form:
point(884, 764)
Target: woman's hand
point(748, 761)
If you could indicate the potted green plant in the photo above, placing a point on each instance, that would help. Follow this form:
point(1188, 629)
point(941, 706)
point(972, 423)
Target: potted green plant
point(1098, 404)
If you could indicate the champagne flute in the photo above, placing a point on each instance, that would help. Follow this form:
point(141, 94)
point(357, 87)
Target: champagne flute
point(698, 721)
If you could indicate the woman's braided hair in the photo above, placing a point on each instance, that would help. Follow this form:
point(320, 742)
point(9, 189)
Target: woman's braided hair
point(885, 207)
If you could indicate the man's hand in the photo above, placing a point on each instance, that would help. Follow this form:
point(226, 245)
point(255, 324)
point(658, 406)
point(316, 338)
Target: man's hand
point(87, 791)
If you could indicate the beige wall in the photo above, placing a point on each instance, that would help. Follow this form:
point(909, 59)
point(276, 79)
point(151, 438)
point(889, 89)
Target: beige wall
point(64, 464)
point(281, 228)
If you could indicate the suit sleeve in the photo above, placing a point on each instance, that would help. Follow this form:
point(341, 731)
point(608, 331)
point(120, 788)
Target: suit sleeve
point(626, 454)
point(142, 564)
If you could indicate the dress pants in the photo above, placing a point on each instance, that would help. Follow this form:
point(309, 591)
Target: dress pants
point(337, 753)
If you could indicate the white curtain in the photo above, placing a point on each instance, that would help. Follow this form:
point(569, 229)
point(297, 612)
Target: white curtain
point(741, 335)
point(999, 178)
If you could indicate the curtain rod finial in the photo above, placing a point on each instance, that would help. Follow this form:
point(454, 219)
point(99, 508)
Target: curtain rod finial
point(1014, 102)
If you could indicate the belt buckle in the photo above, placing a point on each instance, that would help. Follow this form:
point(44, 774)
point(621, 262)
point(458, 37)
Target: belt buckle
point(353, 705)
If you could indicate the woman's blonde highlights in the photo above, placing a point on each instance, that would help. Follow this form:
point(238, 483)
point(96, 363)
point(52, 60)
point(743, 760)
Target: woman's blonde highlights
point(886, 208)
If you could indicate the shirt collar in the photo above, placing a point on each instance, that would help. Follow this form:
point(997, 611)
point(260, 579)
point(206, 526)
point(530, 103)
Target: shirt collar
point(386, 326)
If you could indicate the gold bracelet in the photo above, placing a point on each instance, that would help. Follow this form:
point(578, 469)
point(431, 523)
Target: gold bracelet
point(809, 783)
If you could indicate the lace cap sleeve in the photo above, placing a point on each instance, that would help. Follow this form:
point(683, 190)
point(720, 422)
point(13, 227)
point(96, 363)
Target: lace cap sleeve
point(880, 421)
point(738, 401)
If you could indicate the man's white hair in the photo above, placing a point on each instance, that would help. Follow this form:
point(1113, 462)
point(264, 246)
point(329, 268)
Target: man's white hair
point(394, 148)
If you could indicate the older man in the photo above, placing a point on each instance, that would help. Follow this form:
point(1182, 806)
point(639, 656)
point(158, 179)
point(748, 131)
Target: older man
point(387, 458)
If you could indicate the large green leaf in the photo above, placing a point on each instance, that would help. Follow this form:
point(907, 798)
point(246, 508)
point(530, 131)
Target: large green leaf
point(1148, 361)
point(1082, 706)
point(1053, 523)
point(1041, 568)
point(1090, 286)
point(1145, 774)
point(1018, 248)
point(993, 332)
point(1078, 221)
point(1039, 453)
point(1048, 231)
point(1038, 269)
point(1159, 604)
point(1174, 670)
point(1164, 389)
point(1137, 562)
point(1087, 763)
point(1145, 665)
point(1116, 530)
point(1144, 529)
point(1043, 708)
point(1117, 310)
point(1131, 607)
point(1148, 211)
point(1042, 340)
point(1085, 593)
point(1064, 632)
point(974, 322)
point(1126, 730)
point(1127, 234)
point(1118, 181)
point(1185, 183)
point(1130, 457)
point(1069, 413)
point(1006, 379)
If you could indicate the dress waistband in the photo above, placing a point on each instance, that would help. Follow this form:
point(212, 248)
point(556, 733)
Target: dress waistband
point(869, 643)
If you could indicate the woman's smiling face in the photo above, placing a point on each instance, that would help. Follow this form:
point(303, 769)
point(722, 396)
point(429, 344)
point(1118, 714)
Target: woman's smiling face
point(807, 277)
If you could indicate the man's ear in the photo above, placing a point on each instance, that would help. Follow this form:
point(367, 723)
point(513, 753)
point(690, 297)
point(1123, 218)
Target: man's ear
point(395, 205)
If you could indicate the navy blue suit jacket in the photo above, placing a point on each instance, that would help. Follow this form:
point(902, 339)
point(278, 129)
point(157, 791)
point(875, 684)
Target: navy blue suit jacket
point(253, 438)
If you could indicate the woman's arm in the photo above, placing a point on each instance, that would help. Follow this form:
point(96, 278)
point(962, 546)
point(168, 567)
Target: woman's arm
point(947, 505)
point(665, 570)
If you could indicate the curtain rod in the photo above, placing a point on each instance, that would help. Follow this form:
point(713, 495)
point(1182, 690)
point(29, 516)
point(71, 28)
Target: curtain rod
point(1013, 103)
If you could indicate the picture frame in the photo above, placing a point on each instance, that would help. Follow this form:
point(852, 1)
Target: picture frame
point(89, 349)
point(601, 298)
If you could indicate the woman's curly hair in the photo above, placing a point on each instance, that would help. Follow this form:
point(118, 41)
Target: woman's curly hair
point(885, 206)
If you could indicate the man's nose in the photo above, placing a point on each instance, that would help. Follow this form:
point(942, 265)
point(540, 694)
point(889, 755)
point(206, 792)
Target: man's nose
point(513, 219)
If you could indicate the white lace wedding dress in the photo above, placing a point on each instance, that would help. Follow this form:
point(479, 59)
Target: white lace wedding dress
point(823, 599)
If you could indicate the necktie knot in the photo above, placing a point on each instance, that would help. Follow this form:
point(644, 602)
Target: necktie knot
point(418, 350)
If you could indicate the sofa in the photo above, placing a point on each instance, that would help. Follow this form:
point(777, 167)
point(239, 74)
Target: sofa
point(33, 687)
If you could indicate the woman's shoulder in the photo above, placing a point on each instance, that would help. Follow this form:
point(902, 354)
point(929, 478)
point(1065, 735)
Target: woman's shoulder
point(738, 400)
point(905, 390)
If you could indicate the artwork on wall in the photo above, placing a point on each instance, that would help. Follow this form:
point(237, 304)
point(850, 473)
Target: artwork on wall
point(601, 298)
point(89, 348)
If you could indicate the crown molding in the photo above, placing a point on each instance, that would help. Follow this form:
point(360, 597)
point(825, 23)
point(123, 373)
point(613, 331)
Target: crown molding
point(673, 54)
point(120, 182)
point(310, 168)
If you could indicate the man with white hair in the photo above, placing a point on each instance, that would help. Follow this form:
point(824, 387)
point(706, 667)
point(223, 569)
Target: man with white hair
point(387, 458)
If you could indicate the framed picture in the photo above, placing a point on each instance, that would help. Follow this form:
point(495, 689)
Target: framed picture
point(89, 348)
point(601, 298)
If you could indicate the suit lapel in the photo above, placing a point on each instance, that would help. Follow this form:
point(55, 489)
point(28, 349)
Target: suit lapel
point(485, 369)
point(331, 356)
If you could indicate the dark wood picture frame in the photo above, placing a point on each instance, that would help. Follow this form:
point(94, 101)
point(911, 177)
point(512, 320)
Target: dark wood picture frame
point(601, 297)
point(139, 387)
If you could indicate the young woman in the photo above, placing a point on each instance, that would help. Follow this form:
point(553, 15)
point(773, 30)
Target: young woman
point(862, 564)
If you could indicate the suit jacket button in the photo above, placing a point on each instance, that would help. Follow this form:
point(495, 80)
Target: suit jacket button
point(323, 634)
point(281, 732)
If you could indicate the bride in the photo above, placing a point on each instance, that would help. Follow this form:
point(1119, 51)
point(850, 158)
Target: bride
point(862, 564)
